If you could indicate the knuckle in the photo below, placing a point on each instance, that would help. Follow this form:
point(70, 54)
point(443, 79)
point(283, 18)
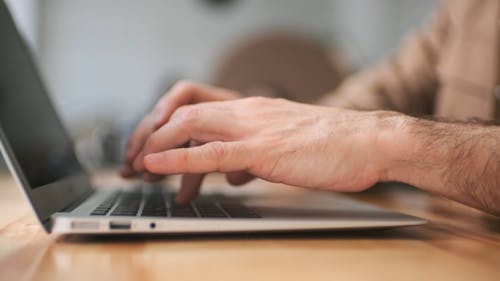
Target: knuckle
point(280, 100)
point(132, 141)
point(217, 151)
point(183, 86)
point(135, 139)
point(151, 144)
point(257, 100)
point(185, 158)
point(159, 107)
point(188, 116)
point(149, 119)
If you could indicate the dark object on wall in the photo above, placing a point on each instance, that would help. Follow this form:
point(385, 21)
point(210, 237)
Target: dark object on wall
point(219, 3)
point(2, 163)
point(282, 65)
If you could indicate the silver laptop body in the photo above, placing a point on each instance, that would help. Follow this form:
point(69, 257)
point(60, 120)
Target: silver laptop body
point(40, 156)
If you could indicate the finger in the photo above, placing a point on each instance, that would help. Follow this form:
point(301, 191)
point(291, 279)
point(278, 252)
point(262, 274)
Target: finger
point(198, 123)
point(150, 177)
point(171, 136)
point(239, 178)
point(138, 165)
point(184, 93)
point(211, 157)
point(126, 171)
point(191, 183)
point(134, 146)
point(138, 138)
point(190, 188)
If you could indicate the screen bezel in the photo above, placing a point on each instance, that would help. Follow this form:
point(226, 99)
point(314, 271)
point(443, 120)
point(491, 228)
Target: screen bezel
point(58, 195)
point(51, 198)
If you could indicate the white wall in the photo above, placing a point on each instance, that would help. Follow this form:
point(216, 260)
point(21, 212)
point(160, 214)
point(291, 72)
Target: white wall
point(105, 59)
point(108, 58)
point(111, 57)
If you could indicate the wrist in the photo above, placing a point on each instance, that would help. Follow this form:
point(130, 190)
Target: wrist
point(450, 159)
point(407, 156)
point(389, 141)
point(396, 148)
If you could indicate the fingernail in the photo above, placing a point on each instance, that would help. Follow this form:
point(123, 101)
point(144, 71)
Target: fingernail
point(126, 171)
point(138, 163)
point(129, 156)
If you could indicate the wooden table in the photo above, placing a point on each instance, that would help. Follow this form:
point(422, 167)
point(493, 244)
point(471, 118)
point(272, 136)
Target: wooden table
point(459, 243)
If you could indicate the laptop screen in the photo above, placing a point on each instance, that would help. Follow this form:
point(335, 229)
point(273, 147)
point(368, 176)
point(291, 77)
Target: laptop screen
point(29, 123)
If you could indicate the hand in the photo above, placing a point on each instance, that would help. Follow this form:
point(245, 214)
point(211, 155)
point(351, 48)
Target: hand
point(182, 93)
point(276, 140)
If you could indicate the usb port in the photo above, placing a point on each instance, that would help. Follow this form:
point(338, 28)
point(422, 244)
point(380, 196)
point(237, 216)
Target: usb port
point(119, 225)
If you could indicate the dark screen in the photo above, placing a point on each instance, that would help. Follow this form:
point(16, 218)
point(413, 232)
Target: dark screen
point(29, 123)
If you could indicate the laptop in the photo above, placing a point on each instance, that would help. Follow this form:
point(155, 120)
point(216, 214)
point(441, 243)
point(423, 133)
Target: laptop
point(40, 156)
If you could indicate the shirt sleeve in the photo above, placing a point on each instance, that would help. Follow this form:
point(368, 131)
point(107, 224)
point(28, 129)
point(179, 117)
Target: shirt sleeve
point(406, 81)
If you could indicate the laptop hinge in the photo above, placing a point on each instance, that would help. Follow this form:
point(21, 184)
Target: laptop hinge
point(75, 203)
point(47, 224)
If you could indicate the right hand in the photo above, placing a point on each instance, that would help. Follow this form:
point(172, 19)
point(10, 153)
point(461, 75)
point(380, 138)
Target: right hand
point(181, 94)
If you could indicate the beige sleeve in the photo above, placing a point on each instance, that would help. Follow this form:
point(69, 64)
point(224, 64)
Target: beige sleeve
point(406, 81)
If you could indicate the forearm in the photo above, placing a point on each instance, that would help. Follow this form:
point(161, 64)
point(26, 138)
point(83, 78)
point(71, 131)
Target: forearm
point(460, 161)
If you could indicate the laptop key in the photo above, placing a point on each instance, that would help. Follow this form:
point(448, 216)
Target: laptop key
point(98, 213)
point(210, 210)
point(154, 206)
point(128, 205)
point(185, 211)
point(154, 214)
point(239, 211)
point(105, 206)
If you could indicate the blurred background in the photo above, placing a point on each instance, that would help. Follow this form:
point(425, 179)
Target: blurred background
point(106, 62)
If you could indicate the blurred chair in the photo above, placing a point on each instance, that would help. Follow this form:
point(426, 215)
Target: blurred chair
point(283, 65)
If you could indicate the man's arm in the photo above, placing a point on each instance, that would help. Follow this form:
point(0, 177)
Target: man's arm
point(459, 160)
point(406, 81)
point(323, 147)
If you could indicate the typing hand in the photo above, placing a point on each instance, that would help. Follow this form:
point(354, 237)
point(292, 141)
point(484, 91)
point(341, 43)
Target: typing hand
point(274, 139)
point(182, 94)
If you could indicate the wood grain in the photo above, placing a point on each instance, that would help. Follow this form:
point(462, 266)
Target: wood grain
point(459, 243)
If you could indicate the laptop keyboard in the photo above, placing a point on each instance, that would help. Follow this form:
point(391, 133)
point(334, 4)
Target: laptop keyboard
point(128, 205)
point(158, 204)
point(105, 206)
